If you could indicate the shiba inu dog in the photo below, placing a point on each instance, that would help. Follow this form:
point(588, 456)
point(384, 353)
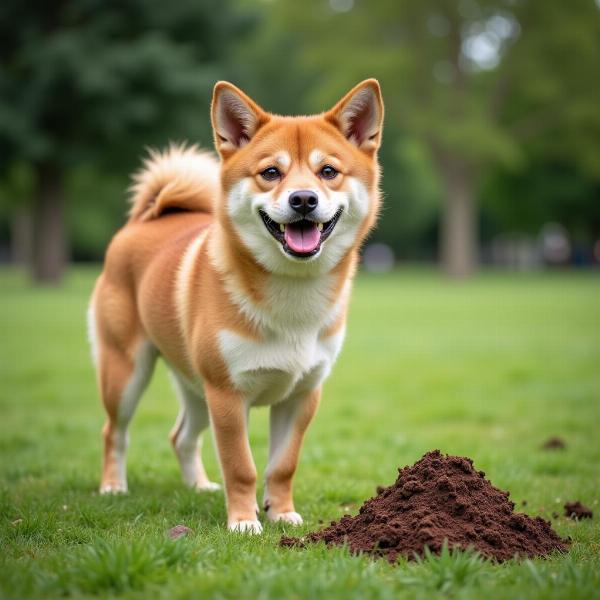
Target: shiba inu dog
point(238, 273)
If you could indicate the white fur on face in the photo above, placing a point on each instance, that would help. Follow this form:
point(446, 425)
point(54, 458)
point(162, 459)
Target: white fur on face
point(315, 158)
point(283, 160)
point(243, 207)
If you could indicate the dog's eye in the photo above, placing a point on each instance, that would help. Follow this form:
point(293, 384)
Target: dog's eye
point(271, 174)
point(328, 172)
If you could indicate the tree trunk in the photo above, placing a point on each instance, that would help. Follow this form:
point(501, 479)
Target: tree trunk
point(21, 237)
point(50, 248)
point(459, 228)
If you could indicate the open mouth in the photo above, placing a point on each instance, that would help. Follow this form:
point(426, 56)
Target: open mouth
point(301, 238)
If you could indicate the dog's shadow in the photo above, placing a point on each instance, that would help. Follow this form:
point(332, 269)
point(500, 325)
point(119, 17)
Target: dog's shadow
point(170, 499)
point(149, 501)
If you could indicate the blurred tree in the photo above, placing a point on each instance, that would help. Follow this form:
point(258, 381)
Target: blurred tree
point(478, 82)
point(94, 81)
point(553, 191)
point(15, 198)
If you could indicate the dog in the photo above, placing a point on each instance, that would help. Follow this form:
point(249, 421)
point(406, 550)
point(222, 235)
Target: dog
point(238, 273)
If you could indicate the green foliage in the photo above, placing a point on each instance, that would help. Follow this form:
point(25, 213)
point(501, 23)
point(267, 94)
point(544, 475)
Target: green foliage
point(449, 571)
point(117, 567)
point(16, 188)
point(439, 87)
point(525, 200)
point(488, 369)
point(532, 101)
point(97, 205)
point(412, 193)
point(88, 84)
point(97, 81)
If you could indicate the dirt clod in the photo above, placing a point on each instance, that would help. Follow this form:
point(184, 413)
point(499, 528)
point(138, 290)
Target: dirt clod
point(554, 443)
point(179, 531)
point(576, 510)
point(439, 498)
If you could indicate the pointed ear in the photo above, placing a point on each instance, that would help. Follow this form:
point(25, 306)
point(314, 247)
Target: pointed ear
point(359, 115)
point(235, 118)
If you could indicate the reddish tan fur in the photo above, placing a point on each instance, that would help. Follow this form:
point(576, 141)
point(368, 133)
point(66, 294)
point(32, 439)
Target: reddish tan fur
point(279, 478)
point(150, 302)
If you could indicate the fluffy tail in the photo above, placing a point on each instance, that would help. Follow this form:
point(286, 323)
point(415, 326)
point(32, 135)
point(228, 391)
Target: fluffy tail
point(179, 178)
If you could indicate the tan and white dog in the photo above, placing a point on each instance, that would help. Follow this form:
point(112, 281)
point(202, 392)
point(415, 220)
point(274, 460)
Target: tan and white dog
point(238, 273)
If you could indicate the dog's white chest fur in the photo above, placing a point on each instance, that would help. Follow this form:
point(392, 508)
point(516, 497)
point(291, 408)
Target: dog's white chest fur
point(277, 369)
point(293, 356)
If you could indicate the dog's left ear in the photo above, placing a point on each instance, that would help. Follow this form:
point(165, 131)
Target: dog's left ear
point(359, 115)
point(235, 118)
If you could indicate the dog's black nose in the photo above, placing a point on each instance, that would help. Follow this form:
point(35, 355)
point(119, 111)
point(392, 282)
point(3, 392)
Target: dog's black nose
point(303, 201)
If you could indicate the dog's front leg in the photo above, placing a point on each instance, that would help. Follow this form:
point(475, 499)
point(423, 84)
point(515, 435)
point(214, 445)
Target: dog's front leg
point(228, 416)
point(289, 421)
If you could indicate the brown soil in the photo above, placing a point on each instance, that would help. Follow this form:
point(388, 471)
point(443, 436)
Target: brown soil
point(439, 498)
point(554, 443)
point(576, 510)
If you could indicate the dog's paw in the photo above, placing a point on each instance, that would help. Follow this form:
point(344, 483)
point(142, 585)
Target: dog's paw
point(251, 527)
point(207, 486)
point(291, 518)
point(113, 488)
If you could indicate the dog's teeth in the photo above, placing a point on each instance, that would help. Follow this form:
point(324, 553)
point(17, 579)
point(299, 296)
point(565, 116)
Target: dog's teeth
point(320, 226)
point(282, 227)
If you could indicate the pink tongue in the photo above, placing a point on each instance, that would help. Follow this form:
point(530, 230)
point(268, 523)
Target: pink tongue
point(302, 236)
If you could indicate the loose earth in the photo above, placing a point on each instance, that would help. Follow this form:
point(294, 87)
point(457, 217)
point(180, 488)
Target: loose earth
point(576, 510)
point(440, 498)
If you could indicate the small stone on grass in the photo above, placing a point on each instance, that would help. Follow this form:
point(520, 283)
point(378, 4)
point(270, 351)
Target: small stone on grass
point(179, 531)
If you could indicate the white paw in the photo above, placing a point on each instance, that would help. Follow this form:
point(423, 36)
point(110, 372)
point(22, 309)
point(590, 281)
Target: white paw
point(207, 486)
point(292, 518)
point(113, 488)
point(250, 527)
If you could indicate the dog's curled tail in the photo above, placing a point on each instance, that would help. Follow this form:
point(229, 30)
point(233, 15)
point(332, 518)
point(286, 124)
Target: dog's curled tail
point(180, 178)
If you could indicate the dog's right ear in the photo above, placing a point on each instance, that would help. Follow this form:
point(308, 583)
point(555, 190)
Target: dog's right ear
point(235, 118)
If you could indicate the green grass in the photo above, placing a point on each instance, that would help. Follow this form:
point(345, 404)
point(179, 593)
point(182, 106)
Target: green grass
point(487, 369)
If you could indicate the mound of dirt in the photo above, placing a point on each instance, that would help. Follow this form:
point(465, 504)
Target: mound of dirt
point(439, 498)
point(576, 510)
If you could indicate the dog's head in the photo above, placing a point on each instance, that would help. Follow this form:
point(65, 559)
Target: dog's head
point(299, 193)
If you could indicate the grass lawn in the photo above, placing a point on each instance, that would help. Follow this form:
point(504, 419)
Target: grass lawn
point(487, 369)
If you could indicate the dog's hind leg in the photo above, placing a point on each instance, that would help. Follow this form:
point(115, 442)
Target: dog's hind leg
point(186, 436)
point(124, 366)
point(122, 383)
